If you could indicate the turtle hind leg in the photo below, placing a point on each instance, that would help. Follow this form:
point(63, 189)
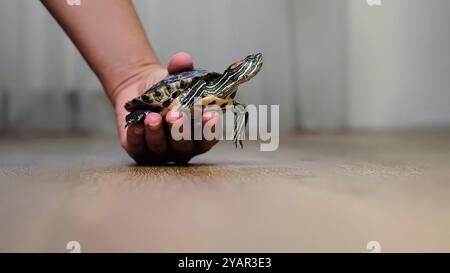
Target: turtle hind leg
point(137, 116)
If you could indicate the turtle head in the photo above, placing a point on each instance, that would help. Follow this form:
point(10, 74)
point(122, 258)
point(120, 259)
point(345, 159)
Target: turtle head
point(239, 72)
point(245, 69)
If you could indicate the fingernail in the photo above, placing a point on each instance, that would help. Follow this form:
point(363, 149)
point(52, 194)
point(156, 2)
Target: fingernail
point(209, 115)
point(154, 119)
point(175, 115)
point(139, 130)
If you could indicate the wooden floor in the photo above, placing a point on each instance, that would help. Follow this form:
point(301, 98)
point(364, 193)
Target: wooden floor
point(316, 193)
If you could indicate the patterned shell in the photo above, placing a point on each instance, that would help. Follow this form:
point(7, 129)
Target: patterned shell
point(161, 95)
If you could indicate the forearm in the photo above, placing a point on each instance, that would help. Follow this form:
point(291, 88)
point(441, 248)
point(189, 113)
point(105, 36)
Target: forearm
point(109, 35)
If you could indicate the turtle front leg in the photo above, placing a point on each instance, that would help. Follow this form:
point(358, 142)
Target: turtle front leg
point(137, 116)
point(240, 115)
point(240, 123)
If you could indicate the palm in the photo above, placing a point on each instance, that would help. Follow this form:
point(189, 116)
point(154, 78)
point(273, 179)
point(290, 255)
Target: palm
point(149, 143)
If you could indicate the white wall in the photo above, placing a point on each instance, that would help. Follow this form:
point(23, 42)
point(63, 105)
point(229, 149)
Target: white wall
point(320, 38)
point(328, 64)
point(41, 71)
point(399, 64)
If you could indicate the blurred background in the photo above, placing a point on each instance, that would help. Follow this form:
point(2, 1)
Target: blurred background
point(330, 65)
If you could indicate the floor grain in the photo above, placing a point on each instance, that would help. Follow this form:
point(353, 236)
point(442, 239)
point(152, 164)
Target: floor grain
point(316, 193)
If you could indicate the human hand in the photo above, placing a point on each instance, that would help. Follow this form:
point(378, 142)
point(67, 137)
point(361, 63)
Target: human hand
point(151, 143)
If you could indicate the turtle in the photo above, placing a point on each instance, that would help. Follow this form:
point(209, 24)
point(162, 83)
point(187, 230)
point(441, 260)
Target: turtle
point(181, 91)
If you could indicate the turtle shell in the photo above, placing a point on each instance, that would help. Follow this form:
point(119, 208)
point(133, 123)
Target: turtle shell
point(162, 94)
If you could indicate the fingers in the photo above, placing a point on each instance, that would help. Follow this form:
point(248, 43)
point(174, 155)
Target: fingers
point(136, 146)
point(149, 143)
point(155, 136)
point(184, 146)
point(211, 125)
point(180, 62)
point(180, 146)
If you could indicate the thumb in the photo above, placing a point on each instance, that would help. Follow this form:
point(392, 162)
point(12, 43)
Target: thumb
point(180, 62)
